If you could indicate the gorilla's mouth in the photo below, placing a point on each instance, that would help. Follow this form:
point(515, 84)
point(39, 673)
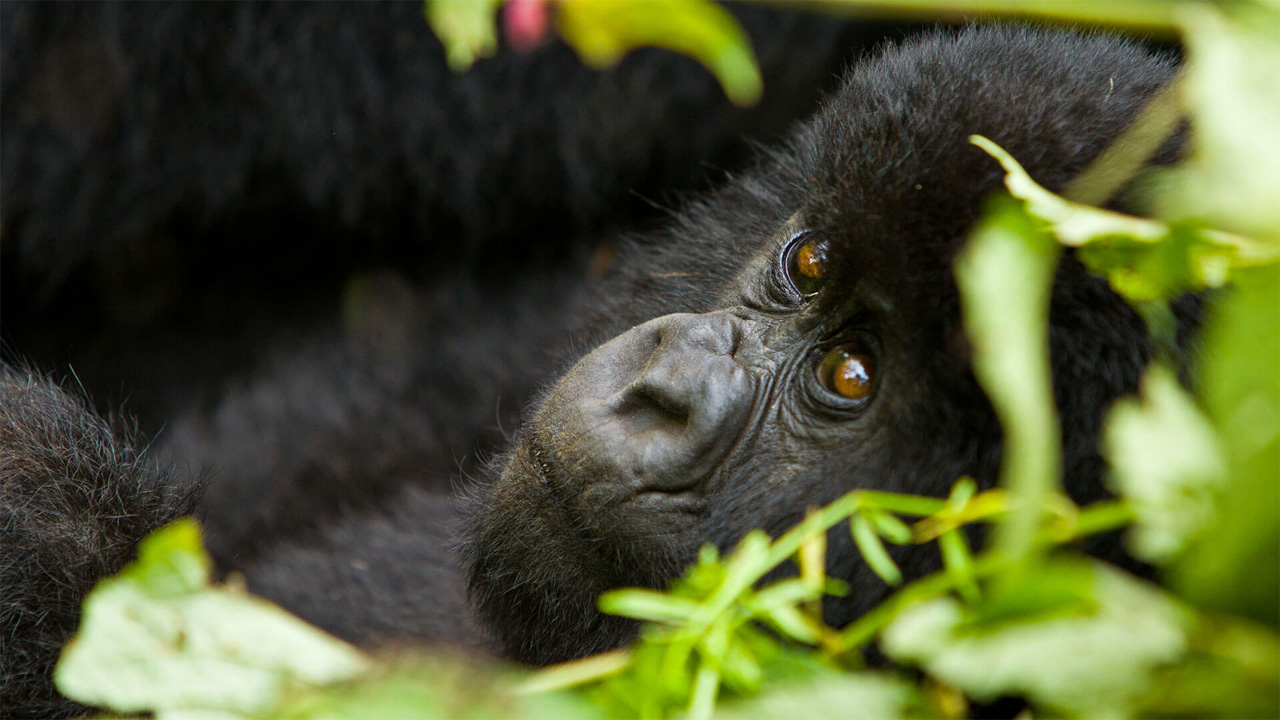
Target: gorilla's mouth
point(611, 513)
point(687, 502)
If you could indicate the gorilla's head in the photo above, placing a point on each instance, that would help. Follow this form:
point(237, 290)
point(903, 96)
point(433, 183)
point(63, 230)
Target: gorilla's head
point(797, 336)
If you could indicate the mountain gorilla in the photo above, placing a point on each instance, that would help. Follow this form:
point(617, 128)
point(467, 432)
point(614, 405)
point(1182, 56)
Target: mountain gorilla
point(791, 337)
point(797, 336)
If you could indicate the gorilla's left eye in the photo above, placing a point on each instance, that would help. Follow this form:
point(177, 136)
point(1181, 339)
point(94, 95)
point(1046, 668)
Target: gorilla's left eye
point(806, 264)
point(847, 371)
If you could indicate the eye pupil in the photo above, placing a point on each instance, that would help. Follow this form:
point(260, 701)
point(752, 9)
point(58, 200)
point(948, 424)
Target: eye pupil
point(847, 372)
point(807, 266)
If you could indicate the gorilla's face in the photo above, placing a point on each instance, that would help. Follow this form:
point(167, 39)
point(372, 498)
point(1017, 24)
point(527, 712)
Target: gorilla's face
point(798, 337)
point(649, 439)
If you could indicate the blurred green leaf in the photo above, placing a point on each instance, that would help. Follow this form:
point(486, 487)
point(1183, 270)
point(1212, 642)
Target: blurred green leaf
point(429, 687)
point(890, 527)
point(1004, 274)
point(1233, 670)
point(792, 623)
point(1166, 461)
point(602, 31)
point(158, 637)
point(1084, 661)
point(957, 560)
point(647, 605)
point(1065, 586)
point(1233, 94)
point(872, 549)
point(467, 28)
point(1232, 565)
point(830, 694)
point(1142, 259)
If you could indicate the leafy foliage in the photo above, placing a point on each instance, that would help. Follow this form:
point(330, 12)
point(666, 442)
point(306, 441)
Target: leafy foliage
point(1166, 461)
point(1089, 651)
point(603, 31)
point(157, 637)
point(1197, 474)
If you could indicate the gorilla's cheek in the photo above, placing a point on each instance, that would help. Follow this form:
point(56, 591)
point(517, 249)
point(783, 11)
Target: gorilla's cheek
point(633, 440)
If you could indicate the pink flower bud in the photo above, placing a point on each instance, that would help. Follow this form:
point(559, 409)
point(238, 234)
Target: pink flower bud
point(526, 23)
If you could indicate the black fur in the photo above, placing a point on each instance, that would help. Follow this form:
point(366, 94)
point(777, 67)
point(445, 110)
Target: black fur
point(336, 455)
point(185, 182)
point(76, 495)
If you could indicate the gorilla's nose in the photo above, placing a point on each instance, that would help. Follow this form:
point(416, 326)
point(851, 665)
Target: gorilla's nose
point(672, 422)
point(652, 414)
point(680, 386)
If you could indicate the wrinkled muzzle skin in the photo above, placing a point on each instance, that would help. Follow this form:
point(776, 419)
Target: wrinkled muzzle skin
point(618, 466)
point(634, 435)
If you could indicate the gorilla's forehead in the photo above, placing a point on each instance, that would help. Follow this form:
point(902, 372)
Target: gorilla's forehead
point(888, 171)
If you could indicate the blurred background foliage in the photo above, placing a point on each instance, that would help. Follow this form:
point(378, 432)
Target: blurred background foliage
point(1196, 471)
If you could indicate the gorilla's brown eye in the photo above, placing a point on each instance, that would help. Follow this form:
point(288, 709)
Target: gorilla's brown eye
point(847, 371)
point(807, 265)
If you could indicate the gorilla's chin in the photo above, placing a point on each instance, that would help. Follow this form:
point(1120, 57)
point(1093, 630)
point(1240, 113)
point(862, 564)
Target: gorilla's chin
point(535, 576)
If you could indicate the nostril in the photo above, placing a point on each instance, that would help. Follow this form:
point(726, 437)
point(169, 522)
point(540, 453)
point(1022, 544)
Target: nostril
point(659, 396)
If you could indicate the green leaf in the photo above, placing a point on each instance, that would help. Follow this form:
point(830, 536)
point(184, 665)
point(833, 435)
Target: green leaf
point(1142, 259)
point(1092, 663)
point(467, 28)
point(1064, 586)
point(602, 31)
point(1231, 566)
point(830, 694)
point(958, 562)
point(1005, 276)
point(1232, 671)
point(791, 591)
point(159, 638)
point(792, 623)
point(453, 685)
point(706, 686)
point(703, 577)
point(742, 672)
point(1166, 461)
point(647, 605)
point(868, 542)
point(890, 527)
point(1233, 176)
point(576, 672)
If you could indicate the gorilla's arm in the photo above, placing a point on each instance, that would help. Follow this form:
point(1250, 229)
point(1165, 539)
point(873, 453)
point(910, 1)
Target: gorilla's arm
point(406, 392)
point(386, 578)
point(75, 498)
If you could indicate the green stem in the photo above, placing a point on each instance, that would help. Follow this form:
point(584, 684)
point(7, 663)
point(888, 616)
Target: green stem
point(860, 632)
point(575, 672)
point(1128, 154)
point(844, 508)
point(1096, 518)
point(705, 688)
point(1103, 517)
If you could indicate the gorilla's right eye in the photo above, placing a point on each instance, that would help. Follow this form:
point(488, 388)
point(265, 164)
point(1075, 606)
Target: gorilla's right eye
point(847, 371)
point(806, 264)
